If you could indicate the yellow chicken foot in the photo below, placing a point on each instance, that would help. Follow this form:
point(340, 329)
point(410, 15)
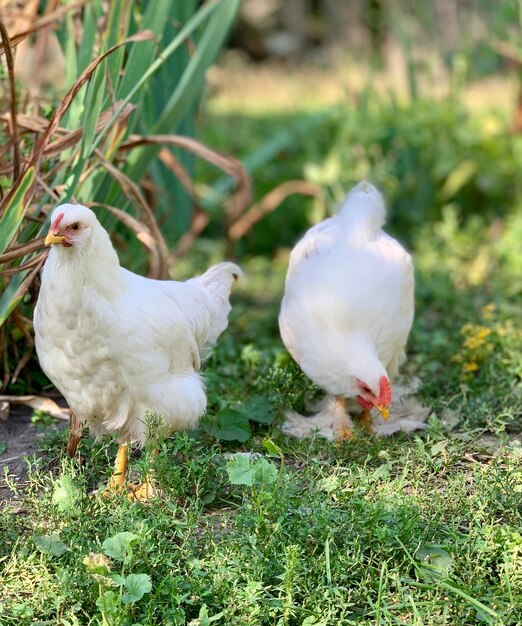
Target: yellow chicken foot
point(119, 477)
point(142, 493)
point(147, 490)
point(344, 432)
point(366, 421)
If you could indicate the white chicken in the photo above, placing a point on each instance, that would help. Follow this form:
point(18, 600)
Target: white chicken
point(348, 309)
point(117, 344)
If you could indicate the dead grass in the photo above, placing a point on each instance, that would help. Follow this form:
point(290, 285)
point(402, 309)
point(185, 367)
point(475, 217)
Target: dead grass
point(240, 86)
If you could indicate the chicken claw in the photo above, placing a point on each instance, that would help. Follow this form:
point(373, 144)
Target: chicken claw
point(147, 490)
point(343, 424)
point(345, 433)
point(365, 420)
point(142, 493)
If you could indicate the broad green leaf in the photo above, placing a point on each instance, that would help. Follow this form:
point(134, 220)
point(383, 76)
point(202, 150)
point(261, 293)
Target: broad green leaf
point(204, 619)
point(118, 579)
point(66, 494)
point(328, 484)
point(91, 14)
point(117, 29)
point(15, 210)
point(136, 586)
point(229, 425)
point(118, 547)
point(265, 472)
point(106, 192)
point(437, 448)
point(141, 56)
point(272, 447)
point(50, 544)
point(242, 469)
point(69, 48)
point(311, 620)
point(239, 470)
point(258, 409)
point(435, 560)
point(76, 62)
point(108, 604)
point(193, 78)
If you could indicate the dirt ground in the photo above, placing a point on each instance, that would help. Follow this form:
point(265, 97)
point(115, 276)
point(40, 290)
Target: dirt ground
point(18, 440)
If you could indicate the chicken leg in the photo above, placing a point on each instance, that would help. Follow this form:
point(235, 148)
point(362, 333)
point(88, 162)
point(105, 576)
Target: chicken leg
point(341, 426)
point(75, 435)
point(365, 420)
point(137, 492)
point(119, 476)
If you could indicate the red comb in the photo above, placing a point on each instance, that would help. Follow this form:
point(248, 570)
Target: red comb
point(385, 392)
point(56, 224)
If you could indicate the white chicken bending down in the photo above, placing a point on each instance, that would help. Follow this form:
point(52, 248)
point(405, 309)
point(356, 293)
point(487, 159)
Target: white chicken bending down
point(348, 308)
point(117, 344)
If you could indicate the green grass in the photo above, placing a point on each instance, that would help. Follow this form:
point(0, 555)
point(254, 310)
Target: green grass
point(371, 532)
point(410, 530)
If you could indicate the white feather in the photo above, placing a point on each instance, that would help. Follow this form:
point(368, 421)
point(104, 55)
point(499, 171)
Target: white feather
point(348, 303)
point(117, 344)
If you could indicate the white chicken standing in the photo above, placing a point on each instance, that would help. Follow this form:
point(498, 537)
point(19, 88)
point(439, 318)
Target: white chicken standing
point(117, 344)
point(348, 308)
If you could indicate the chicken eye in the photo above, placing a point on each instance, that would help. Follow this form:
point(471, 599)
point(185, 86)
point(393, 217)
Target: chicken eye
point(365, 389)
point(75, 226)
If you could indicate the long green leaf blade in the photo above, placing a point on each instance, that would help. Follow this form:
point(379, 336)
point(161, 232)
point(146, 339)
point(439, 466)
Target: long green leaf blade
point(15, 210)
point(191, 82)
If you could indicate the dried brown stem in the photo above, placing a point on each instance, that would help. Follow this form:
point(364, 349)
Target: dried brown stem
point(44, 140)
point(134, 195)
point(16, 252)
point(12, 100)
point(269, 203)
point(198, 225)
point(143, 233)
point(240, 198)
point(11, 271)
point(26, 283)
point(180, 172)
point(44, 21)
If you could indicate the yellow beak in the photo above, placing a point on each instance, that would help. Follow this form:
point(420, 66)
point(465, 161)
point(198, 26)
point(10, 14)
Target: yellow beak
point(52, 239)
point(383, 410)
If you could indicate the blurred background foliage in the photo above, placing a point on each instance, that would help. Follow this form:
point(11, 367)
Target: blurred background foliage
point(310, 96)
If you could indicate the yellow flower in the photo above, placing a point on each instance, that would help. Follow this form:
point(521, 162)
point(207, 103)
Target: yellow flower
point(467, 329)
point(476, 339)
point(488, 311)
point(470, 367)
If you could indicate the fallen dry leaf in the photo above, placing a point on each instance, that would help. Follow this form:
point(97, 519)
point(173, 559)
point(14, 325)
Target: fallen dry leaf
point(39, 403)
point(4, 410)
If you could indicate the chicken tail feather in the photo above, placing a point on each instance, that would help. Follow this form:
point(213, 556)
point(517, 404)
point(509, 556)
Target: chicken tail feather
point(217, 282)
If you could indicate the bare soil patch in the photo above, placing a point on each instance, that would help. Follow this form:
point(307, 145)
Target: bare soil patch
point(18, 440)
